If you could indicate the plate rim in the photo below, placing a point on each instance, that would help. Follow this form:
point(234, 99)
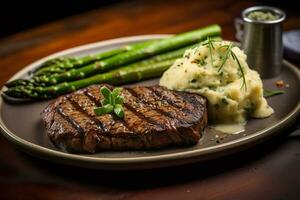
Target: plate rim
point(67, 157)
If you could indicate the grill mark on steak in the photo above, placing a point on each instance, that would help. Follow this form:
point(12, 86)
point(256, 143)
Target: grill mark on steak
point(192, 100)
point(144, 101)
point(140, 114)
point(170, 101)
point(70, 120)
point(82, 119)
point(175, 116)
point(97, 102)
point(183, 103)
point(139, 121)
point(91, 130)
point(127, 106)
point(117, 123)
point(176, 138)
point(150, 120)
point(92, 98)
point(149, 97)
point(84, 112)
point(130, 127)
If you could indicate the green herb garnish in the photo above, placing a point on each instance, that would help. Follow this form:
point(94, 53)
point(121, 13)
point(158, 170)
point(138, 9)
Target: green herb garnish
point(210, 47)
point(111, 103)
point(228, 53)
point(225, 57)
point(241, 69)
point(269, 93)
point(193, 80)
point(201, 62)
point(249, 108)
point(224, 101)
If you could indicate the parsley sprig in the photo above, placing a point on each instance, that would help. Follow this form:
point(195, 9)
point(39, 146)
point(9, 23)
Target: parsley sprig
point(111, 103)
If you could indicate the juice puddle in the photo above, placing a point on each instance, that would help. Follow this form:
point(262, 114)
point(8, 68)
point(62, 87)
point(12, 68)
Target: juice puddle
point(229, 128)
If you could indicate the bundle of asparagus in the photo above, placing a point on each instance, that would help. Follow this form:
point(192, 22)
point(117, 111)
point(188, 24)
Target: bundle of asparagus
point(126, 64)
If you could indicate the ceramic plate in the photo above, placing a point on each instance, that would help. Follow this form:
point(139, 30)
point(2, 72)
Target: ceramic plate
point(21, 123)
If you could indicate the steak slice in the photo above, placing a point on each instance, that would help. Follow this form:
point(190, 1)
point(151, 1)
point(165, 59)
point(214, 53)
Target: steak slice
point(155, 117)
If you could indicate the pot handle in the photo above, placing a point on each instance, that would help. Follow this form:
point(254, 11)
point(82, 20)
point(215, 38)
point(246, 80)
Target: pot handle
point(239, 27)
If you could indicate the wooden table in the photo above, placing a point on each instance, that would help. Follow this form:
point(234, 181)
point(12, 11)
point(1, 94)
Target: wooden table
point(268, 171)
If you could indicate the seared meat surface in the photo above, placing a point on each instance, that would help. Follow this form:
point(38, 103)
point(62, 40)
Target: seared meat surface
point(155, 117)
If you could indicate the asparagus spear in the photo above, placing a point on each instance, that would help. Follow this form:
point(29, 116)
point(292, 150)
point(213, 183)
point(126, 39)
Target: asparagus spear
point(118, 76)
point(124, 58)
point(133, 55)
point(137, 71)
point(30, 91)
point(93, 68)
point(161, 57)
point(59, 65)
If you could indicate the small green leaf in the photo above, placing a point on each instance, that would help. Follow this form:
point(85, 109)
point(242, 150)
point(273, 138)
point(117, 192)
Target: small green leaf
point(104, 110)
point(104, 102)
point(111, 102)
point(118, 110)
point(116, 92)
point(114, 95)
point(105, 92)
point(119, 100)
point(269, 93)
point(111, 99)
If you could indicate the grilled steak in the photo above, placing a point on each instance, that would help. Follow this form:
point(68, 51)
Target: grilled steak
point(155, 117)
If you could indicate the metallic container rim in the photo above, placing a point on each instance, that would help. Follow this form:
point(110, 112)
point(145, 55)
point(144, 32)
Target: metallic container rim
point(278, 11)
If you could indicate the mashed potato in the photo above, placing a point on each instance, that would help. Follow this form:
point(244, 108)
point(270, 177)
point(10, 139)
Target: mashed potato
point(230, 101)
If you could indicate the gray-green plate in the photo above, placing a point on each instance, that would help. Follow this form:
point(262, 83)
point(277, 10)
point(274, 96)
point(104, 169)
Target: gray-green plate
point(21, 124)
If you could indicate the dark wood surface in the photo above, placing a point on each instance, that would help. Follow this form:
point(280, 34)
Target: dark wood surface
point(268, 171)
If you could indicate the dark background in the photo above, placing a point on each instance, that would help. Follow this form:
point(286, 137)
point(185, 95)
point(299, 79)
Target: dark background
point(31, 30)
point(19, 15)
